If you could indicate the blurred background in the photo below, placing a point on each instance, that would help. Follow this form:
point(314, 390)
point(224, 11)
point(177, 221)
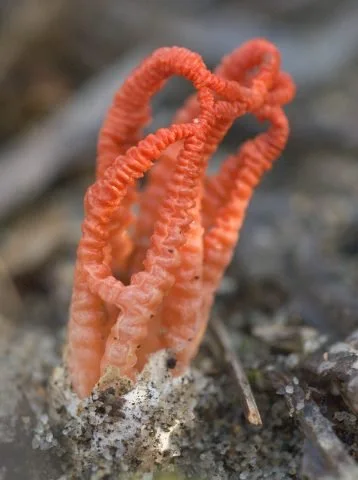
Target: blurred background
point(60, 64)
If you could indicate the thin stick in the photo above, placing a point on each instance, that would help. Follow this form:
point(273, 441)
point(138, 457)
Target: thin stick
point(247, 398)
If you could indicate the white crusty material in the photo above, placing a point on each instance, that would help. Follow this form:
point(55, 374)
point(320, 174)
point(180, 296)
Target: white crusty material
point(124, 427)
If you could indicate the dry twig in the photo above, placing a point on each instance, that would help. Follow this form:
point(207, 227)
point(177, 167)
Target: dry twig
point(247, 398)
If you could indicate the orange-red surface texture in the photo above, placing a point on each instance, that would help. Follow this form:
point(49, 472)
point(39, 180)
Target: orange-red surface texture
point(150, 259)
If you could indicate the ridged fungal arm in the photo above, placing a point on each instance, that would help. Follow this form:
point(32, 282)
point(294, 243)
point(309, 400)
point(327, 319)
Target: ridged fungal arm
point(172, 257)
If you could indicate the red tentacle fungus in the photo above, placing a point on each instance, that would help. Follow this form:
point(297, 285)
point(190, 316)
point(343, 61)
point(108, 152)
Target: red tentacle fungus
point(174, 253)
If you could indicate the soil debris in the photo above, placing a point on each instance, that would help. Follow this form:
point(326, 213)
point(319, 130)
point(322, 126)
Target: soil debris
point(125, 427)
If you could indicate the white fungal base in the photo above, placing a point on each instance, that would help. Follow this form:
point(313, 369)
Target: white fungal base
point(126, 428)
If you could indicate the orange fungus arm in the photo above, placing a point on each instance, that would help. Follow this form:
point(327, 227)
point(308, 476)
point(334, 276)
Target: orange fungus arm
point(173, 254)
